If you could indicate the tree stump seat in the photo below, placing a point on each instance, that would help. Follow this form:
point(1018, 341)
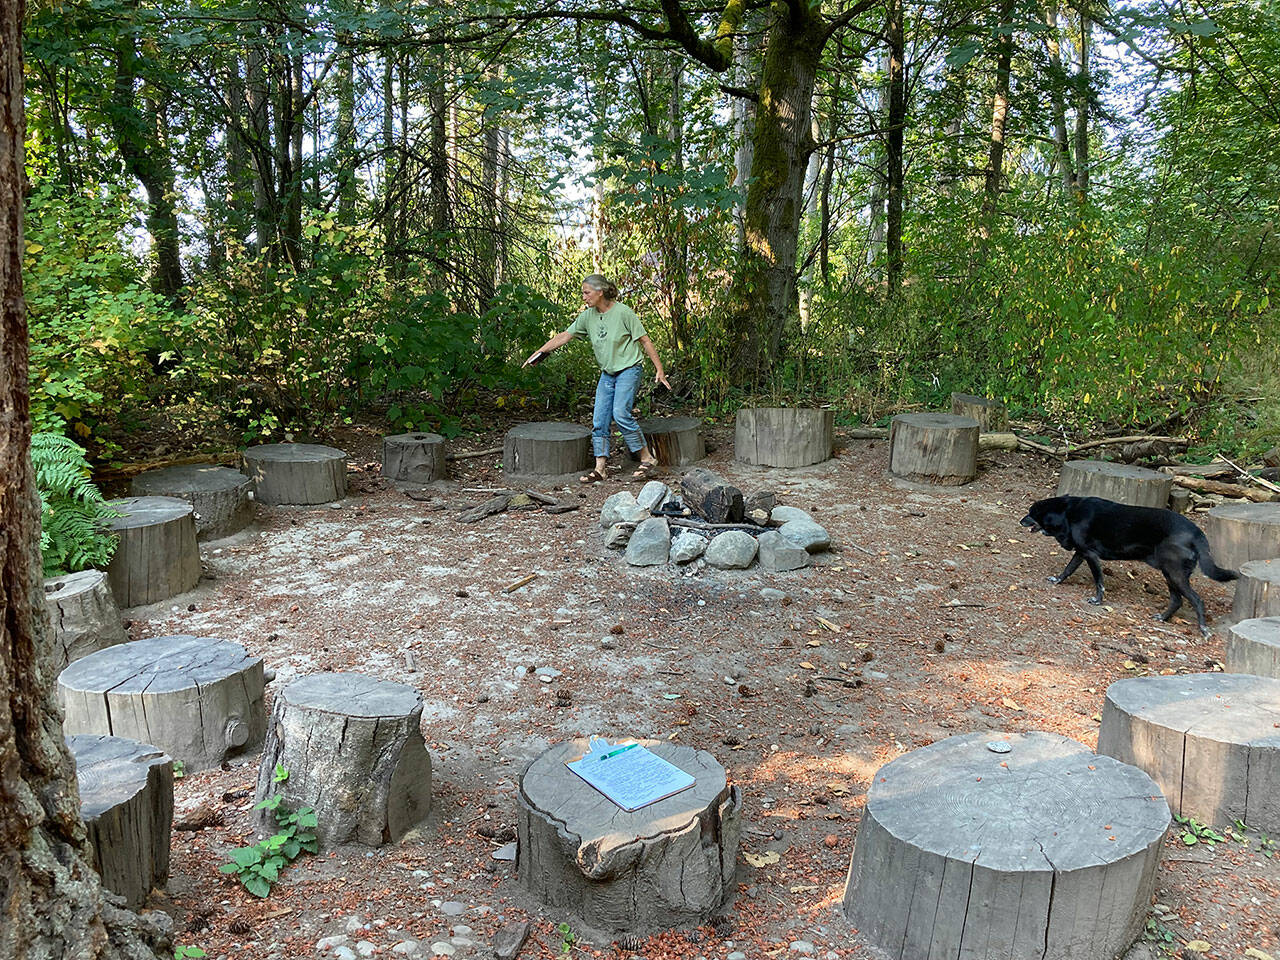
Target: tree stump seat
point(675, 441)
point(1240, 532)
point(83, 615)
point(546, 451)
point(1121, 482)
point(992, 415)
point(666, 865)
point(196, 698)
point(296, 473)
point(219, 495)
point(414, 457)
point(1253, 646)
point(1210, 740)
point(783, 436)
point(1257, 590)
point(354, 751)
point(156, 555)
point(937, 448)
point(1043, 851)
point(126, 801)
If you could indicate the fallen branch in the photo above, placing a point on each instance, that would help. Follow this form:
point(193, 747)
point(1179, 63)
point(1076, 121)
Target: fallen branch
point(1249, 476)
point(1200, 485)
point(473, 454)
point(704, 525)
point(128, 470)
point(522, 582)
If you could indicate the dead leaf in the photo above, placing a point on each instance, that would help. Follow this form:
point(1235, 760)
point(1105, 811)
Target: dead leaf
point(807, 665)
point(828, 624)
point(814, 643)
point(1257, 954)
point(807, 889)
point(766, 859)
point(1011, 704)
point(1199, 946)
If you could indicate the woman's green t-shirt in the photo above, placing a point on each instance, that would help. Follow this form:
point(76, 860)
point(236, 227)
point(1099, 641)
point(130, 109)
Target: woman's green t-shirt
point(613, 335)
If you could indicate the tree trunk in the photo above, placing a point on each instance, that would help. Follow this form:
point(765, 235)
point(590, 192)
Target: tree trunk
point(1058, 79)
point(999, 114)
point(264, 194)
point(345, 129)
point(50, 898)
point(678, 266)
point(1082, 111)
point(812, 189)
point(896, 124)
point(744, 121)
point(239, 184)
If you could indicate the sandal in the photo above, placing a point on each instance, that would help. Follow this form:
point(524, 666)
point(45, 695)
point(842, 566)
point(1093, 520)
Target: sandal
point(647, 470)
point(595, 476)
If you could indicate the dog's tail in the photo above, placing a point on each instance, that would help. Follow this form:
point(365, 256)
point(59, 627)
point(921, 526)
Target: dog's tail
point(1207, 564)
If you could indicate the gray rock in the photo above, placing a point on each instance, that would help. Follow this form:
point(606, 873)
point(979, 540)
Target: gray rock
point(355, 923)
point(405, 948)
point(653, 494)
point(736, 955)
point(366, 949)
point(801, 946)
point(650, 545)
point(617, 536)
point(551, 672)
point(777, 553)
point(344, 953)
point(732, 550)
point(509, 939)
point(328, 943)
point(787, 514)
point(442, 948)
point(687, 546)
point(769, 593)
point(611, 510)
point(505, 852)
point(806, 533)
point(452, 908)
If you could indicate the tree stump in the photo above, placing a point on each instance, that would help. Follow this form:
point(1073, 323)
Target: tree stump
point(196, 698)
point(1240, 532)
point(1121, 482)
point(1257, 590)
point(550, 451)
point(126, 801)
point(666, 865)
point(296, 473)
point(1210, 740)
point(992, 415)
point(413, 457)
point(934, 448)
point(1043, 851)
point(711, 496)
point(354, 751)
point(675, 441)
point(157, 556)
point(783, 436)
point(219, 495)
point(83, 614)
point(1253, 646)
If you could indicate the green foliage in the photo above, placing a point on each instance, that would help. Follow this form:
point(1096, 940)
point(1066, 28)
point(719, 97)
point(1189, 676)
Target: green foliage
point(181, 952)
point(73, 514)
point(567, 939)
point(1193, 832)
point(258, 867)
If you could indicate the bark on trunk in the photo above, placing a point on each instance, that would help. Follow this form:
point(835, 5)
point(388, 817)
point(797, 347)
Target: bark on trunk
point(897, 120)
point(264, 194)
point(345, 129)
point(1058, 75)
point(999, 114)
point(678, 262)
point(1082, 112)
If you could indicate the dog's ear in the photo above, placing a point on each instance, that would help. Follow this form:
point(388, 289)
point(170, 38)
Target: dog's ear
point(1054, 521)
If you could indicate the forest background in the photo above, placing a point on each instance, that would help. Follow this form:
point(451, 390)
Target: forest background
point(278, 216)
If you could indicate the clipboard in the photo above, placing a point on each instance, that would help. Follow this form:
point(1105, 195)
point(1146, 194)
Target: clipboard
point(629, 774)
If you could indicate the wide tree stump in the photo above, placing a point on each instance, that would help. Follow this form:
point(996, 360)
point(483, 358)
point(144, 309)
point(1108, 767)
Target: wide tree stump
point(783, 436)
point(1240, 532)
point(669, 864)
point(1257, 591)
point(992, 415)
point(711, 496)
point(196, 698)
point(414, 457)
point(935, 448)
point(219, 495)
point(296, 473)
point(354, 752)
point(126, 801)
point(1253, 646)
point(546, 450)
point(83, 614)
point(157, 556)
point(1210, 740)
point(1043, 851)
point(675, 441)
point(1121, 482)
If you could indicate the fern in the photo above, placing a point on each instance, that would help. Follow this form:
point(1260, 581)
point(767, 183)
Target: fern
point(73, 515)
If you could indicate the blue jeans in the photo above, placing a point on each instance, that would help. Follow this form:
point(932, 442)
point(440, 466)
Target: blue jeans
point(615, 394)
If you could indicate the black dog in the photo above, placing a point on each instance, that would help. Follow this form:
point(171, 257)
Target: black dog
point(1098, 529)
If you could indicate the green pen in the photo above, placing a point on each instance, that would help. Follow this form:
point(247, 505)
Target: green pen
point(614, 753)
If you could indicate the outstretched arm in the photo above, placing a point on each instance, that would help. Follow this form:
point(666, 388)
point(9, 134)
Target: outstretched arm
point(555, 343)
point(647, 345)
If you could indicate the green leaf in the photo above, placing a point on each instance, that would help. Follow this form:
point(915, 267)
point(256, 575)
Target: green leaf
point(246, 856)
point(256, 885)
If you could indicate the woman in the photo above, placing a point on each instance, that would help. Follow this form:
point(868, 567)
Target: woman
point(618, 337)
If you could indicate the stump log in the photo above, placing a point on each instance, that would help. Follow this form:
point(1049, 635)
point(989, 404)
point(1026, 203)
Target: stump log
point(1253, 646)
point(550, 451)
point(675, 441)
point(1257, 590)
point(126, 801)
point(296, 473)
point(936, 448)
point(414, 457)
point(196, 698)
point(711, 496)
point(354, 751)
point(992, 415)
point(1240, 532)
point(1043, 851)
point(157, 556)
point(669, 864)
point(83, 615)
point(219, 495)
point(783, 436)
point(1210, 740)
point(1121, 482)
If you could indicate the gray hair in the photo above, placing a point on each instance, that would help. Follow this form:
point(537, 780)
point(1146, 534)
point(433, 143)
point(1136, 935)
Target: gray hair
point(598, 281)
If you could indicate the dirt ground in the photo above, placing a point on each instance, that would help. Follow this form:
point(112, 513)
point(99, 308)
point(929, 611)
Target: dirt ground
point(945, 625)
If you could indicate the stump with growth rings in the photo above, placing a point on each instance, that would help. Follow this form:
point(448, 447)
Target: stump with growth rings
point(157, 556)
point(783, 436)
point(1240, 532)
point(1121, 482)
point(675, 441)
point(83, 615)
point(219, 495)
point(1210, 740)
point(354, 752)
point(1043, 851)
point(197, 698)
point(126, 801)
point(670, 864)
point(992, 415)
point(414, 457)
point(546, 451)
point(1257, 590)
point(934, 448)
point(296, 473)
point(1253, 646)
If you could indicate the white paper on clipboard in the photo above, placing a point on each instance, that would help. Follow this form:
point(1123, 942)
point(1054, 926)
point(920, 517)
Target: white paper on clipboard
point(629, 774)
